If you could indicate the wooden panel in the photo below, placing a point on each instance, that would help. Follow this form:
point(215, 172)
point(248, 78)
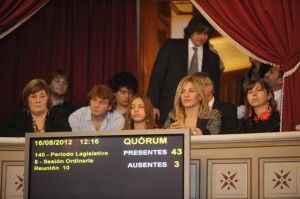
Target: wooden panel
point(230, 90)
point(155, 28)
point(260, 166)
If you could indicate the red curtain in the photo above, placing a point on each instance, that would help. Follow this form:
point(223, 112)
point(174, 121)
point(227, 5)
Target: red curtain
point(91, 39)
point(14, 13)
point(268, 30)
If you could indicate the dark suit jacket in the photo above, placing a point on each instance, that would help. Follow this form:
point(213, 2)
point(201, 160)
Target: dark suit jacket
point(171, 66)
point(69, 108)
point(229, 121)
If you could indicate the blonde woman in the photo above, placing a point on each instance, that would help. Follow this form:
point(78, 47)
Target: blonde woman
point(191, 109)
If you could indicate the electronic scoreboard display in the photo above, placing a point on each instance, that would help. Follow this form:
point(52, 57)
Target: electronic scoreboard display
point(152, 164)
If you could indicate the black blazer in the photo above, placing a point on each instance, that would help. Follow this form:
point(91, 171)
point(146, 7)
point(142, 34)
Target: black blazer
point(21, 123)
point(229, 121)
point(170, 66)
point(209, 125)
point(69, 108)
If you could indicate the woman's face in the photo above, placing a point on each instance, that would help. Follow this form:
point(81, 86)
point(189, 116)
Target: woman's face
point(99, 106)
point(189, 96)
point(37, 102)
point(137, 110)
point(257, 96)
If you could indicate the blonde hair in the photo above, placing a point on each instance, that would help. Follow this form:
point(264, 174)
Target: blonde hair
point(179, 109)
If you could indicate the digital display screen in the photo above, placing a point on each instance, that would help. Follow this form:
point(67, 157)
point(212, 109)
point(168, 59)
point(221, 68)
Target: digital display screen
point(124, 165)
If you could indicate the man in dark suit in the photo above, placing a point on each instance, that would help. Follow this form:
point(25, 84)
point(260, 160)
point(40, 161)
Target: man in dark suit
point(229, 121)
point(173, 63)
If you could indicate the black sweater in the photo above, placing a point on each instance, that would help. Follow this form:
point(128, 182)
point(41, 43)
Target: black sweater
point(21, 123)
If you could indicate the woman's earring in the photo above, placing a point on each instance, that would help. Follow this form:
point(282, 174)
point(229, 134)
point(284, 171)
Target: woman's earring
point(250, 112)
point(269, 109)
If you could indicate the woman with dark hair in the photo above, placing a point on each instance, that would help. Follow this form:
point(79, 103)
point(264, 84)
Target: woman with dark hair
point(261, 108)
point(256, 71)
point(37, 115)
point(140, 113)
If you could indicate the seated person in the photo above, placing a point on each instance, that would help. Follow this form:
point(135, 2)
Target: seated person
point(100, 114)
point(178, 58)
point(261, 108)
point(140, 113)
point(58, 82)
point(191, 109)
point(229, 122)
point(124, 86)
point(275, 78)
point(256, 71)
point(37, 115)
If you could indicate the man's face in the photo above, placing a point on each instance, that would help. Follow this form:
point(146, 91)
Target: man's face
point(199, 39)
point(208, 88)
point(99, 107)
point(272, 77)
point(59, 86)
point(123, 96)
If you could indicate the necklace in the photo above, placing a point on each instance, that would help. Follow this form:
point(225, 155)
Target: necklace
point(36, 128)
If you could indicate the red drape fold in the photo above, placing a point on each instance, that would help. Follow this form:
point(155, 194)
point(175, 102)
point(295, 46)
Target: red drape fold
point(91, 39)
point(267, 30)
point(14, 13)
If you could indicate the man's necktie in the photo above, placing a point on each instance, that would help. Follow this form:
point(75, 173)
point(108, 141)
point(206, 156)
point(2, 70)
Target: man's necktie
point(194, 62)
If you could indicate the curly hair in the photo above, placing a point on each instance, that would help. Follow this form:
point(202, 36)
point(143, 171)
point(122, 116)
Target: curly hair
point(124, 79)
point(104, 92)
